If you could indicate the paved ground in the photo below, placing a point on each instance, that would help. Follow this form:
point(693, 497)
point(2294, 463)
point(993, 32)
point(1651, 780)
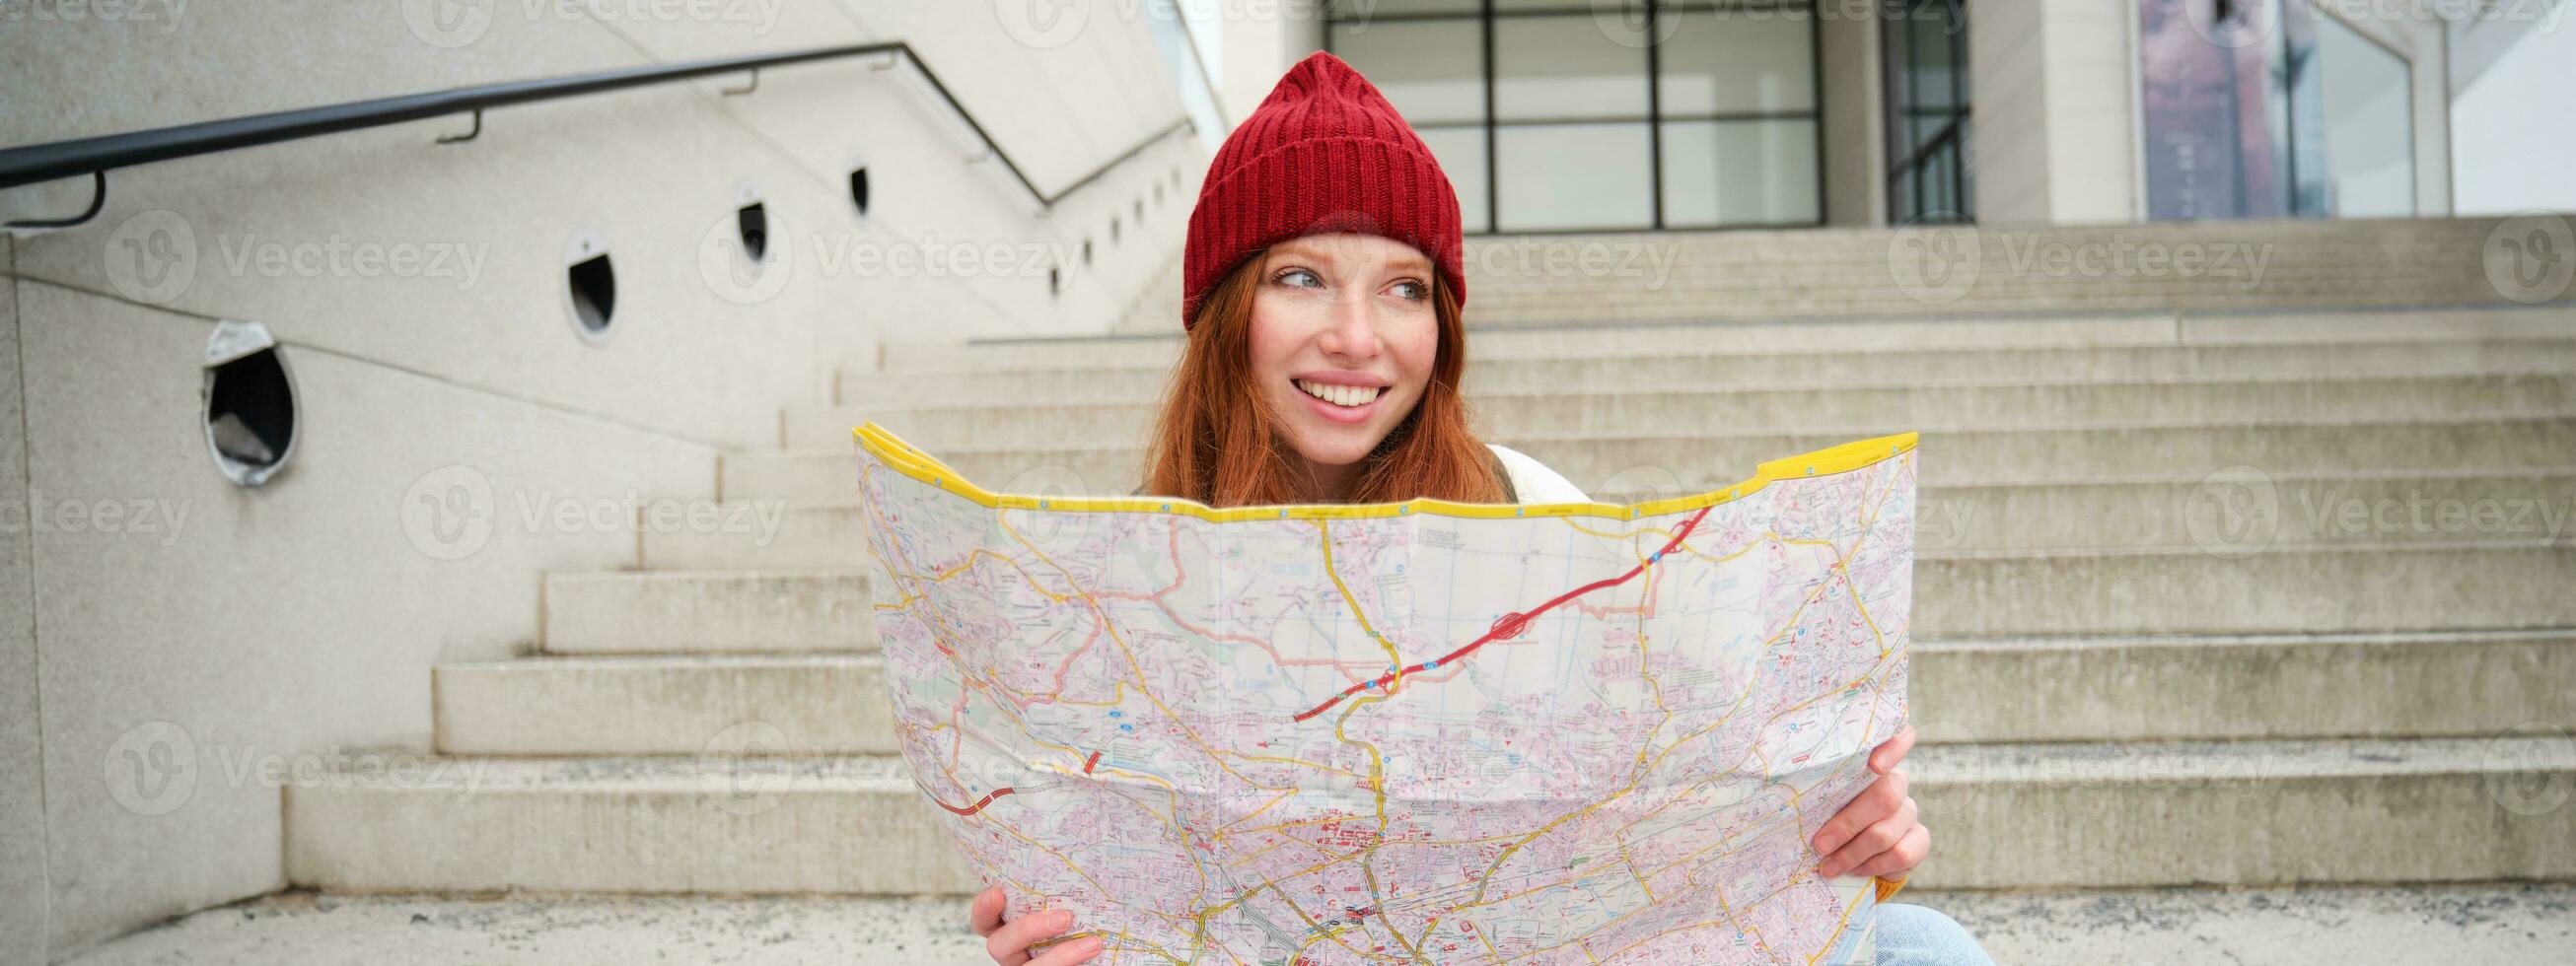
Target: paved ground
point(2450, 925)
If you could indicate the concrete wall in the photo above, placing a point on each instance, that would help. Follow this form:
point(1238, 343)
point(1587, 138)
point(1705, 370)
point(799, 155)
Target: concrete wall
point(2504, 161)
point(24, 893)
point(164, 668)
point(1261, 40)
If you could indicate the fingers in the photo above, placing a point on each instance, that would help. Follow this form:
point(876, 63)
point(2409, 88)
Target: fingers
point(1872, 842)
point(1900, 858)
point(985, 914)
point(1009, 945)
point(1889, 753)
point(1068, 953)
point(1878, 801)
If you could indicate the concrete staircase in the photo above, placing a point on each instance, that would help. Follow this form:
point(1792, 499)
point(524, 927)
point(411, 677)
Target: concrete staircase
point(2194, 605)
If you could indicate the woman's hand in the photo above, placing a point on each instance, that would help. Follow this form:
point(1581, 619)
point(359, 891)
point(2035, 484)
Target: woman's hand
point(1008, 943)
point(1878, 832)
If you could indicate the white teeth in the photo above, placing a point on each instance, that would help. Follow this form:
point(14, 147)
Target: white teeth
point(1340, 395)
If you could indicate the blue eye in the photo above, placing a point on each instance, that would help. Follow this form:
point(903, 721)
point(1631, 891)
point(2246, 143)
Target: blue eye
point(1284, 276)
point(1412, 291)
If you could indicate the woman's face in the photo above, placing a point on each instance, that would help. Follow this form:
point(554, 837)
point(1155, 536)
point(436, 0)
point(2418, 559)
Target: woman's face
point(1343, 338)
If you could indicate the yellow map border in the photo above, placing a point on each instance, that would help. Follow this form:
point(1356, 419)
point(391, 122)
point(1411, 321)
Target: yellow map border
point(911, 461)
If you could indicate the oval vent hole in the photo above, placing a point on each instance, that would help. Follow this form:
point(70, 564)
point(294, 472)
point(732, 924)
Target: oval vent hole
point(250, 404)
point(753, 222)
point(594, 292)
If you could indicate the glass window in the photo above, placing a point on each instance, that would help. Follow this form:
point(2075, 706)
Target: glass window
point(1728, 63)
point(1560, 176)
point(2369, 120)
point(1461, 152)
point(1567, 67)
point(1433, 71)
point(1739, 173)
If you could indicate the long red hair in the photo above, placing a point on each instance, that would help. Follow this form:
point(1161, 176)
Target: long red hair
point(1217, 443)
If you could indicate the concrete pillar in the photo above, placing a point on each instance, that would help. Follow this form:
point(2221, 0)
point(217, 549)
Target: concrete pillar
point(2055, 123)
point(1853, 102)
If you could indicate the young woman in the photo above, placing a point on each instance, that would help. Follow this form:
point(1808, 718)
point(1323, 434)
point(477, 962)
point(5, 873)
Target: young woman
point(1321, 300)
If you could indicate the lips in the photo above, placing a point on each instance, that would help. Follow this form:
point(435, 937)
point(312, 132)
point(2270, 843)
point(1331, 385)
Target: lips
point(1336, 412)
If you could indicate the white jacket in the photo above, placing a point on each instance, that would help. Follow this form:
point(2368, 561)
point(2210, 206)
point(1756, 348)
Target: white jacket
point(1533, 482)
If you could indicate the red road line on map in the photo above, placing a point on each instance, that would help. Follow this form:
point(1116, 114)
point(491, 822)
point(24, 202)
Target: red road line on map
point(979, 803)
point(1088, 762)
point(1510, 625)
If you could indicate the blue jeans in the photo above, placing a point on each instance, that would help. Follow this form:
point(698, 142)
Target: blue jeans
point(1910, 935)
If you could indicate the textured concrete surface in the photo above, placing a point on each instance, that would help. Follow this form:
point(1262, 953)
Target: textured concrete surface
point(2063, 814)
point(632, 612)
point(2500, 923)
point(2510, 923)
point(24, 893)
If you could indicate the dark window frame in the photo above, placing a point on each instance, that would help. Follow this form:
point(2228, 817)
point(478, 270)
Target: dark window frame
point(1908, 171)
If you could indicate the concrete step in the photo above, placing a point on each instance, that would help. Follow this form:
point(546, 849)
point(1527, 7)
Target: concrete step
point(2302, 590)
point(677, 704)
point(716, 610)
point(1705, 335)
point(1990, 292)
point(738, 823)
point(1707, 459)
point(2047, 689)
point(2441, 923)
point(1645, 364)
point(2302, 686)
point(1009, 421)
point(2036, 815)
point(2247, 813)
point(2243, 513)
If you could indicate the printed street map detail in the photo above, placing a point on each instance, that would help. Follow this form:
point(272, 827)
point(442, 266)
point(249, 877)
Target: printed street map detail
point(1423, 732)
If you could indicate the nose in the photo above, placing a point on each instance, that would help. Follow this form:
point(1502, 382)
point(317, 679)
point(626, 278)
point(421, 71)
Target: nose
point(1353, 332)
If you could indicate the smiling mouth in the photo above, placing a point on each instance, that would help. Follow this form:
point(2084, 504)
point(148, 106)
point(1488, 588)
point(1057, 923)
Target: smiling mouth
point(1347, 397)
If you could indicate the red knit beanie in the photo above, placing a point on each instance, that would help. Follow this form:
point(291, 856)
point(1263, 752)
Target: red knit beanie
point(1324, 152)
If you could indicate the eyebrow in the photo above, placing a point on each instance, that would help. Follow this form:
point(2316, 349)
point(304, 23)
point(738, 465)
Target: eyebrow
point(1410, 262)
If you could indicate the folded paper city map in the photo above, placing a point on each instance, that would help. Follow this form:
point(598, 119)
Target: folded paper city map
point(1420, 732)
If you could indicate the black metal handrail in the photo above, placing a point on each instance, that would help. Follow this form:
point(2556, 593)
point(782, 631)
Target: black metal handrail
point(96, 156)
